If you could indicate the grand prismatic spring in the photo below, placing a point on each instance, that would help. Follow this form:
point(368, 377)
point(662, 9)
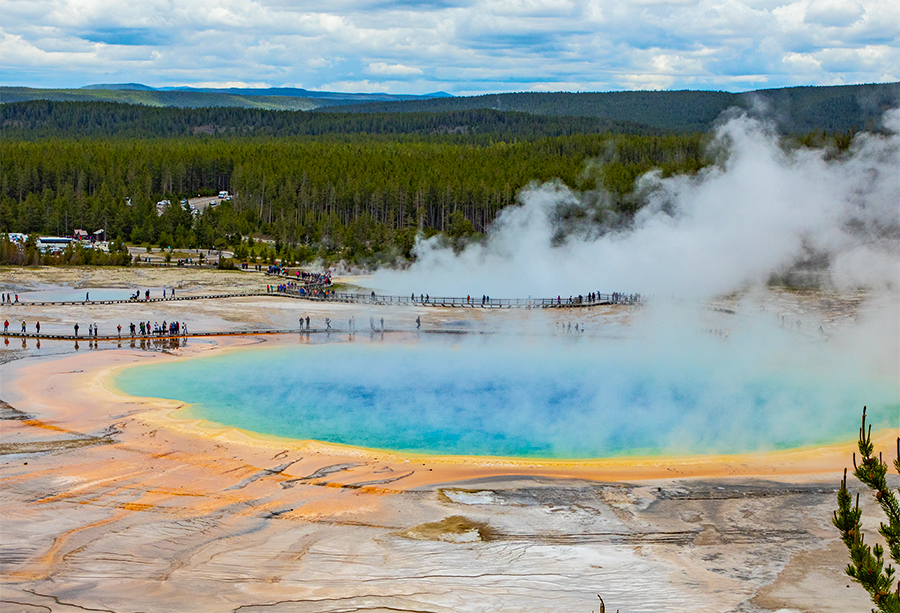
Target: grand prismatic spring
point(570, 397)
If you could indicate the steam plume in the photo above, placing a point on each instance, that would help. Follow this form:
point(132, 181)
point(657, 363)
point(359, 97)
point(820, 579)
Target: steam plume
point(758, 211)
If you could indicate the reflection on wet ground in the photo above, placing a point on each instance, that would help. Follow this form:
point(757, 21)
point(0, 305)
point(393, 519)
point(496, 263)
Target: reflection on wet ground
point(18, 349)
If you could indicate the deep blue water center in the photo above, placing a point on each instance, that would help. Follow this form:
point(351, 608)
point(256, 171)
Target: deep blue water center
point(543, 399)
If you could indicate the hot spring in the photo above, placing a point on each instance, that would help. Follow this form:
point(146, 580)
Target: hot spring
point(569, 397)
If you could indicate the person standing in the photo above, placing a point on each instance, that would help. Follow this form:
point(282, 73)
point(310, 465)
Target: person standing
point(23, 326)
point(307, 323)
point(119, 329)
point(418, 322)
point(5, 326)
point(37, 327)
point(76, 330)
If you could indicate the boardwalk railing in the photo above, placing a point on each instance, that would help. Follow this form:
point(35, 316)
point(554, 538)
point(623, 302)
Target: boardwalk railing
point(470, 303)
point(373, 299)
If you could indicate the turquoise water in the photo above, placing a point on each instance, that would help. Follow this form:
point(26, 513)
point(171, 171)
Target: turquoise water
point(549, 398)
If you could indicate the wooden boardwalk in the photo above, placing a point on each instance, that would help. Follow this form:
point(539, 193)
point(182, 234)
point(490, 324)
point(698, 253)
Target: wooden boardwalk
point(369, 299)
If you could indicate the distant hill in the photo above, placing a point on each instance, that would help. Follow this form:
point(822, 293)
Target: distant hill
point(294, 92)
point(137, 86)
point(796, 109)
point(276, 98)
point(181, 99)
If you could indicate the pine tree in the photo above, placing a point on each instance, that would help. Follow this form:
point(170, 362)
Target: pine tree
point(867, 565)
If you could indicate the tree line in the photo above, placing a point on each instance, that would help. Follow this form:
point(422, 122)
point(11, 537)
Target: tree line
point(39, 119)
point(358, 199)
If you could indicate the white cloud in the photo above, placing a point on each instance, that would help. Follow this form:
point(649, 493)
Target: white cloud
point(461, 47)
point(393, 69)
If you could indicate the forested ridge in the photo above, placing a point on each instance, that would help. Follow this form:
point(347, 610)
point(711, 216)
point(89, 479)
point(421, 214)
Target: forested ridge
point(48, 119)
point(794, 109)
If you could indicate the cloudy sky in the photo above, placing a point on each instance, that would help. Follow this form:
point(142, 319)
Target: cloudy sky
point(458, 46)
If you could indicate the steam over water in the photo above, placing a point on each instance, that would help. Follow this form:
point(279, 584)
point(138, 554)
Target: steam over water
point(661, 383)
point(550, 397)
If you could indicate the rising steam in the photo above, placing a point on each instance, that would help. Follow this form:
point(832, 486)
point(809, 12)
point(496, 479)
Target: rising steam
point(758, 212)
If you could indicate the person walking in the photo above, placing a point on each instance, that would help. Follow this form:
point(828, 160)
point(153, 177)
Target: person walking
point(23, 326)
point(119, 329)
point(418, 322)
point(76, 330)
point(37, 327)
point(5, 326)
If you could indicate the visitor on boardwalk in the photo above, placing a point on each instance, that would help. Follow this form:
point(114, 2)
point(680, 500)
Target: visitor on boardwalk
point(76, 330)
point(37, 328)
point(5, 326)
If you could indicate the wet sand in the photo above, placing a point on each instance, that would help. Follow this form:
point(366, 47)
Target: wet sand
point(109, 503)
